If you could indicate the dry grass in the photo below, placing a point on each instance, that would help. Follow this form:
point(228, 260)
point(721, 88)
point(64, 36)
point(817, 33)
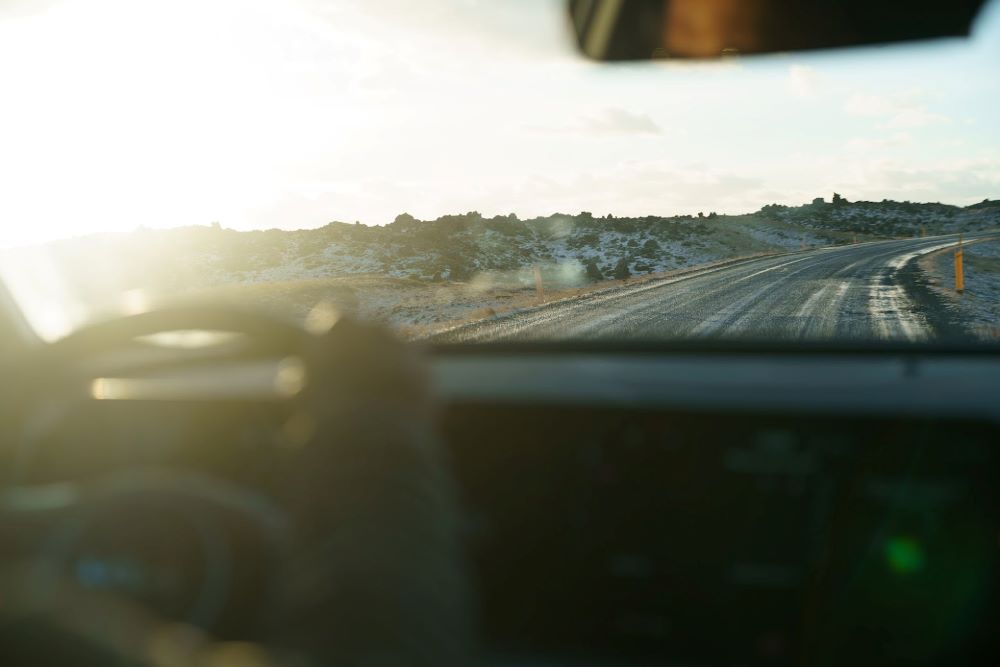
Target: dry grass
point(989, 332)
point(942, 282)
point(940, 275)
point(941, 285)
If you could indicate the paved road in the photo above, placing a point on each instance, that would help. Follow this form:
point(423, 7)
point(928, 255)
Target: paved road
point(851, 292)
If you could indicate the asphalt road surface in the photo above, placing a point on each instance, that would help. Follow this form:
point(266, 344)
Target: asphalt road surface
point(844, 292)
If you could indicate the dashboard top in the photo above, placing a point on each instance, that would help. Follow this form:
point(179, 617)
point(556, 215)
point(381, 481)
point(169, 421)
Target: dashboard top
point(896, 381)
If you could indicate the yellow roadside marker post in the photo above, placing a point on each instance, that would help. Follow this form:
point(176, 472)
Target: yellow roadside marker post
point(959, 274)
point(539, 289)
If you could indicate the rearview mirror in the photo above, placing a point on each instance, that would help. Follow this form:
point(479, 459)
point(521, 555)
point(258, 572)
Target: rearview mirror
point(650, 29)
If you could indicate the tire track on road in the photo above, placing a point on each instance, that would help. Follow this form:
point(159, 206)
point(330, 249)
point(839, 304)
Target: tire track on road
point(841, 292)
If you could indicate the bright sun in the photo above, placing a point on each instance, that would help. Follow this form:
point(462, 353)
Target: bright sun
point(117, 106)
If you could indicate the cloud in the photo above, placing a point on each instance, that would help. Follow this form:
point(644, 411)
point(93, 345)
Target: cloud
point(803, 81)
point(866, 145)
point(897, 112)
point(633, 188)
point(652, 187)
point(620, 121)
point(612, 121)
point(18, 8)
point(964, 180)
point(862, 104)
point(911, 118)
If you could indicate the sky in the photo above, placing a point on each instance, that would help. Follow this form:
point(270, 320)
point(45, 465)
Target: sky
point(118, 114)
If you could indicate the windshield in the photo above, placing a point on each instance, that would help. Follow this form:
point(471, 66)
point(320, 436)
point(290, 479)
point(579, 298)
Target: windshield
point(456, 170)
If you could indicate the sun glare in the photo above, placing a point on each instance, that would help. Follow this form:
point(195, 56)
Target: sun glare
point(121, 106)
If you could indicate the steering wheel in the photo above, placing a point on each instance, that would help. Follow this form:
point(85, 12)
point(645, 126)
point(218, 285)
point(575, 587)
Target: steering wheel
point(370, 566)
point(259, 334)
point(59, 375)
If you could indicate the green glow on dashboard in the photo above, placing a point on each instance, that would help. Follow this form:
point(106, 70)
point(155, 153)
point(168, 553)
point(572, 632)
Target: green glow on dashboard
point(904, 555)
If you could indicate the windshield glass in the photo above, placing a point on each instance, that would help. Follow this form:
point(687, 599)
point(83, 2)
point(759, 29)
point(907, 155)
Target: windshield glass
point(457, 170)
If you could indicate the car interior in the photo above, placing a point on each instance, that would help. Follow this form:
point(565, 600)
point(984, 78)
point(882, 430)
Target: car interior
point(267, 492)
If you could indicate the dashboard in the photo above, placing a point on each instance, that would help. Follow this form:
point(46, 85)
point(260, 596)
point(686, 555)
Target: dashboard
point(732, 509)
point(690, 507)
point(727, 539)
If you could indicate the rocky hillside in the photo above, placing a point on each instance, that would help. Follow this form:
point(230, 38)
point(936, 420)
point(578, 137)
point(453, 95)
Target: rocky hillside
point(886, 218)
point(489, 253)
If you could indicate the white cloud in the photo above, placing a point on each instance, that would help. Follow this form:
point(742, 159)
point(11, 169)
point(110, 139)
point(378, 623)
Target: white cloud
point(649, 187)
point(611, 121)
point(863, 104)
point(803, 81)
point(911, 118)
point(897, 112)
point(620, 121)
point(870, 145)
point(964, 180)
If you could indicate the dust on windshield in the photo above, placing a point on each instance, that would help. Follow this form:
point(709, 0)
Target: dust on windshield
point(456, 171)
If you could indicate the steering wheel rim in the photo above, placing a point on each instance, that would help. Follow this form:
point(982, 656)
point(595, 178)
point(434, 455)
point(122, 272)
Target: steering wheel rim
point(370, 475)
point(55, 371)
point(266, 334)
point(201, 499)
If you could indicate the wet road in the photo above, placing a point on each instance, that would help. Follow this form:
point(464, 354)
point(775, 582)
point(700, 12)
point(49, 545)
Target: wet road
point(845, 292)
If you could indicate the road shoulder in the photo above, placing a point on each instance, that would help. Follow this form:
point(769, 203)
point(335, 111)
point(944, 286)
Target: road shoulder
point(973, 315)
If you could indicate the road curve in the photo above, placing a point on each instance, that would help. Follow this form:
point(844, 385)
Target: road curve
point(844, 292)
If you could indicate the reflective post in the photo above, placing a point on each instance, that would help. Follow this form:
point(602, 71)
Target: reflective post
point(539, 289)
point(959, 275)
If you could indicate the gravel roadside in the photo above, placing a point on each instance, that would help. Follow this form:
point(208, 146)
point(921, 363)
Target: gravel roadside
point(975, 312)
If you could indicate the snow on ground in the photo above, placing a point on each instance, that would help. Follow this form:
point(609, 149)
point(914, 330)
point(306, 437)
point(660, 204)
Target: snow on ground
point(416, 273)
point(782, 236)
